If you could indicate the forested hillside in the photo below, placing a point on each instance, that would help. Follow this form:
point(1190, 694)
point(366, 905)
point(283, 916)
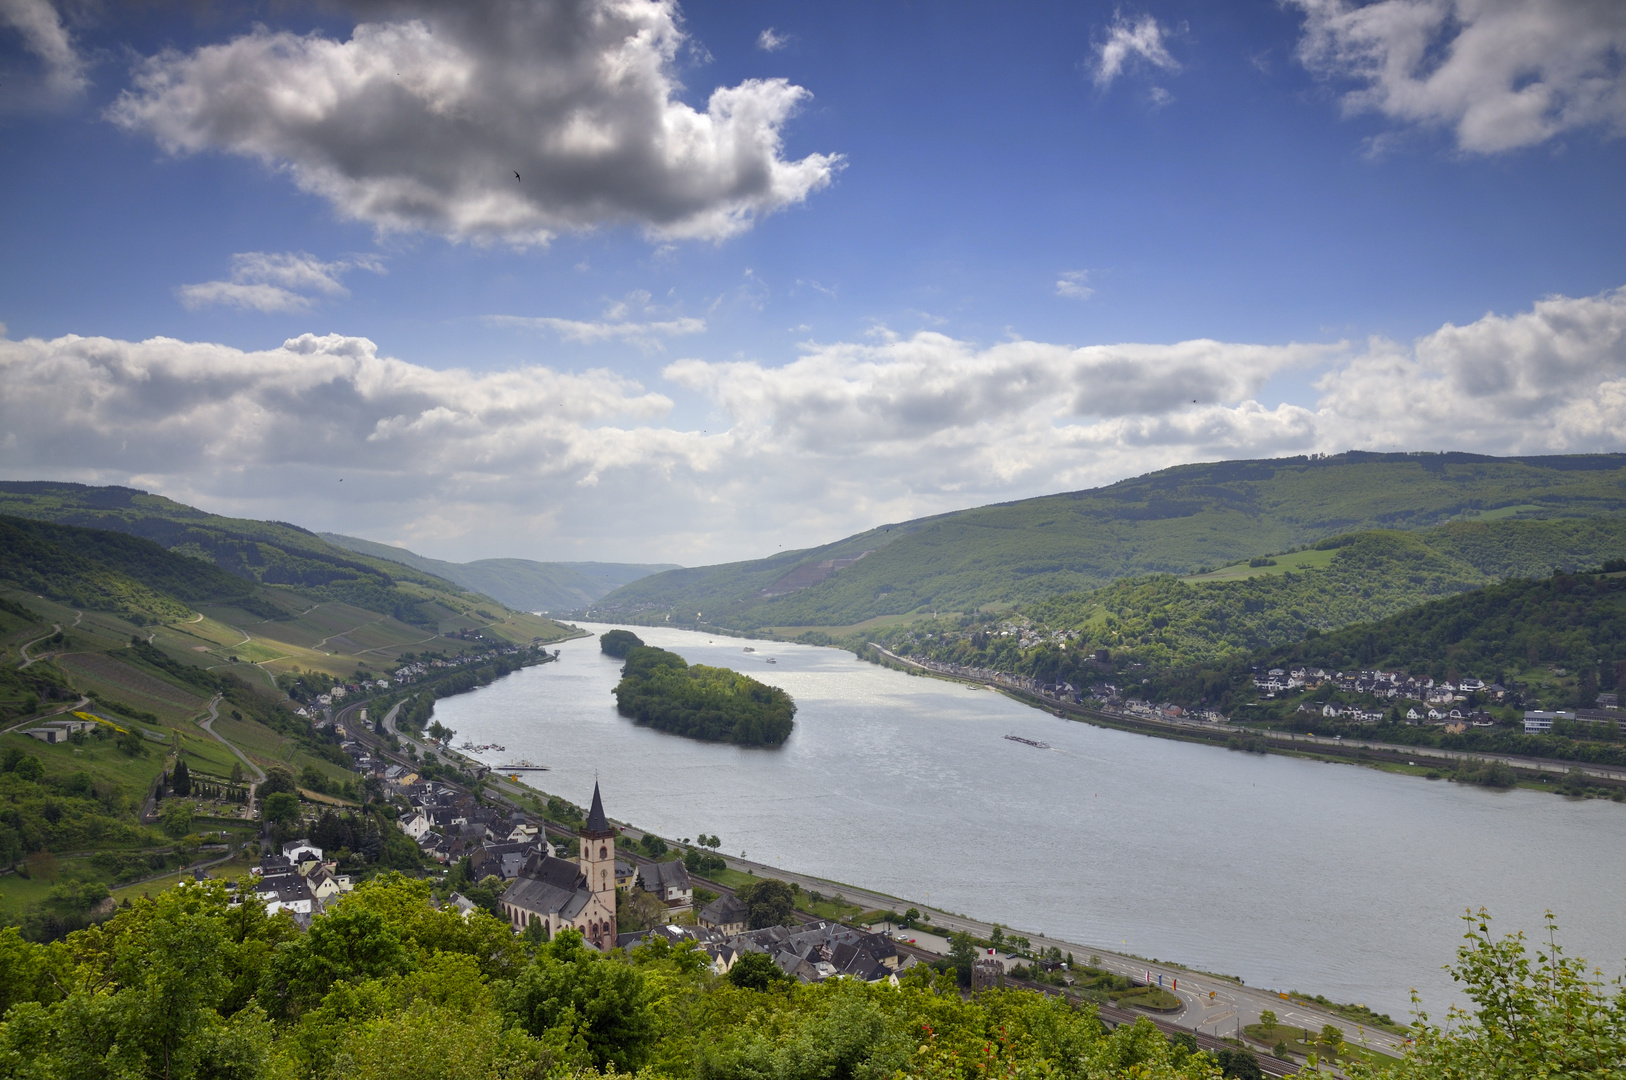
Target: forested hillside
point(1177, 521)
point(520, 583)
point(136, 644)
point(1160, 626)
point(267, 552)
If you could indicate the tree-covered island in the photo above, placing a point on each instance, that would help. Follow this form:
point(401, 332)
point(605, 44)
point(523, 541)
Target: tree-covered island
point(618, 643)
point(661, 689)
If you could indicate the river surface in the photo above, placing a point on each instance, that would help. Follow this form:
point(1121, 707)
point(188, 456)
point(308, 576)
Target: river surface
point(1291, 874)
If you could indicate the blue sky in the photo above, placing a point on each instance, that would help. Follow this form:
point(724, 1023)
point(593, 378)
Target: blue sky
point(1001, 250)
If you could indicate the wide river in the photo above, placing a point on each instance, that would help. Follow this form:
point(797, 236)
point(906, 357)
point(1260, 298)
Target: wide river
point(1291, 874)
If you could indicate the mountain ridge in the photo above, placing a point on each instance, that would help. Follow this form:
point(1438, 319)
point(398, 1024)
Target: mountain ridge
point(1178, 520)
point(527, 584)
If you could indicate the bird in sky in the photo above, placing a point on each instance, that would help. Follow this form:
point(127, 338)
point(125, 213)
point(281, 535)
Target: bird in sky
point(516, 174)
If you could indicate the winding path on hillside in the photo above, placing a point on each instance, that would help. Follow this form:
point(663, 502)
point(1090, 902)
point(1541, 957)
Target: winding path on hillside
point(259, 773)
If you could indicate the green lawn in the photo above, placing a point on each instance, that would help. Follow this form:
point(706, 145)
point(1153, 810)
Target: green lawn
point(1304, 1041)
point(1296, 562)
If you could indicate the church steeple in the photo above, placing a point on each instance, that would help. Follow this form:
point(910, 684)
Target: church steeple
point(598, 851)
point(597, 824)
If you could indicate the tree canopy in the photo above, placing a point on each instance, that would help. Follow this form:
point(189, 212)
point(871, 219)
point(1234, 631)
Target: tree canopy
point(661, 689)
point(618, 643)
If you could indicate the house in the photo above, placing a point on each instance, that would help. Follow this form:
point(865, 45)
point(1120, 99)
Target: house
point(324, 884)
point(1540, 722)
point(725, 914)
point(302, 855)
point(669, 881)
point(414, 824)
point(559, 892)
point(286, 892)
point(58, 731)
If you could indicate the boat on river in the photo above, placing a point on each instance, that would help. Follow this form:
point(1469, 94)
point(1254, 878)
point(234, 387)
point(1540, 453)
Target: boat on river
point(1029, 742)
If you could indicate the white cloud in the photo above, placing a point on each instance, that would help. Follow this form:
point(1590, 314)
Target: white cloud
point(644, 334)
point(278, 282)
point(1549, 379)
point(772, 41)
point(1502, 74)
point(420, 120)
point(1127, 40)
point(1075, 285)
point(62, 75)
point(534, 461)
point(617, 324)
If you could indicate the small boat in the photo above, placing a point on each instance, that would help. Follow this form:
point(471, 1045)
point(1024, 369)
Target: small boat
point(771, 660)
point(749, 649)
point(1029, 742)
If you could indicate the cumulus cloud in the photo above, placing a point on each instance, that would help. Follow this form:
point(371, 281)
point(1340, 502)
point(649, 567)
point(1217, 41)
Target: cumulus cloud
point(1501, 74)
point(268, 282)
point(771, 40)
point(1075, 285)
point(61, 75)
point(580, 465)
point(1129, 40)
point(1549, 379)
point(420, 119)
point(618, 324)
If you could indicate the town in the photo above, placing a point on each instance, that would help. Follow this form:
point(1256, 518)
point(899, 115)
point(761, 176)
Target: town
point(544, 891)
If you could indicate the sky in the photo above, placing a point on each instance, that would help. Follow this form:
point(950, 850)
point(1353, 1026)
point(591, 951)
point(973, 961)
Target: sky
point(631, 280)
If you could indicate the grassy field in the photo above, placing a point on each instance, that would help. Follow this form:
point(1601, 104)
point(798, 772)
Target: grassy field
point(1303, 1041)
point(1280, 564)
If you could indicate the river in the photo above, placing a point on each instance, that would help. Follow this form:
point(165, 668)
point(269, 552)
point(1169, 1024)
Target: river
point(1291, 874)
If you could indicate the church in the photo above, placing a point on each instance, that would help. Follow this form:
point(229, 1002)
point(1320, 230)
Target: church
point(560, 892)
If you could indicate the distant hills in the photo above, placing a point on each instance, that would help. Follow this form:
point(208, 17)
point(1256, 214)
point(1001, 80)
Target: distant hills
point(1169, 631)
point(145, 558)
point(1184, 520)
point(519, 583)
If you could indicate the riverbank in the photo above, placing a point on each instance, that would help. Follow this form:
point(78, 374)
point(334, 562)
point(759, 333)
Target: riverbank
point(1156, 847)
point(1537, 774)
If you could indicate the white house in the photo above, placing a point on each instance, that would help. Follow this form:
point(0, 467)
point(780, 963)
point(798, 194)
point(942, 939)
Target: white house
point(299, 853)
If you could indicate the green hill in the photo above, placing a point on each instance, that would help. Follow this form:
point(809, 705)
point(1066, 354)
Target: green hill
point(1162, 626)
point(271, 553)
point(1565, 633)
point(1176, 521)
point(520, 583)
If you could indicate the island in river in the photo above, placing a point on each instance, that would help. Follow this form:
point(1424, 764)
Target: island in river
point(661, 689)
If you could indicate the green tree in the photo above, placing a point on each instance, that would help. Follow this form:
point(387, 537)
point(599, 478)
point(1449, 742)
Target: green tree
point(576, 999)
point(618, 643)
point(180, 781)
point(962, 955)
point(313, 779)
point(278, 779)
point(757, 971)
point(177, 819)
point(131, 743)
point(280, 809)
point(1267, 1018)
point(769, 902)
point(1542, 1016)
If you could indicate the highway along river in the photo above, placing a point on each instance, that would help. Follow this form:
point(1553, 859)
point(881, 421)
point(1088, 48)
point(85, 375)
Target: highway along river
point(1291, 874)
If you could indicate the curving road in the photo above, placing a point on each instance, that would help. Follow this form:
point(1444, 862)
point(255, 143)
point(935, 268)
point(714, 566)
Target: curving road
point(259, 773)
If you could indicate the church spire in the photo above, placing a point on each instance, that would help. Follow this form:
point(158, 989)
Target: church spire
point(596, 821)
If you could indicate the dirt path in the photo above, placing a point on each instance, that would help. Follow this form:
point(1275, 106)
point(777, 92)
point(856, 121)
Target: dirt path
point(259, 773)
point(56, 628)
